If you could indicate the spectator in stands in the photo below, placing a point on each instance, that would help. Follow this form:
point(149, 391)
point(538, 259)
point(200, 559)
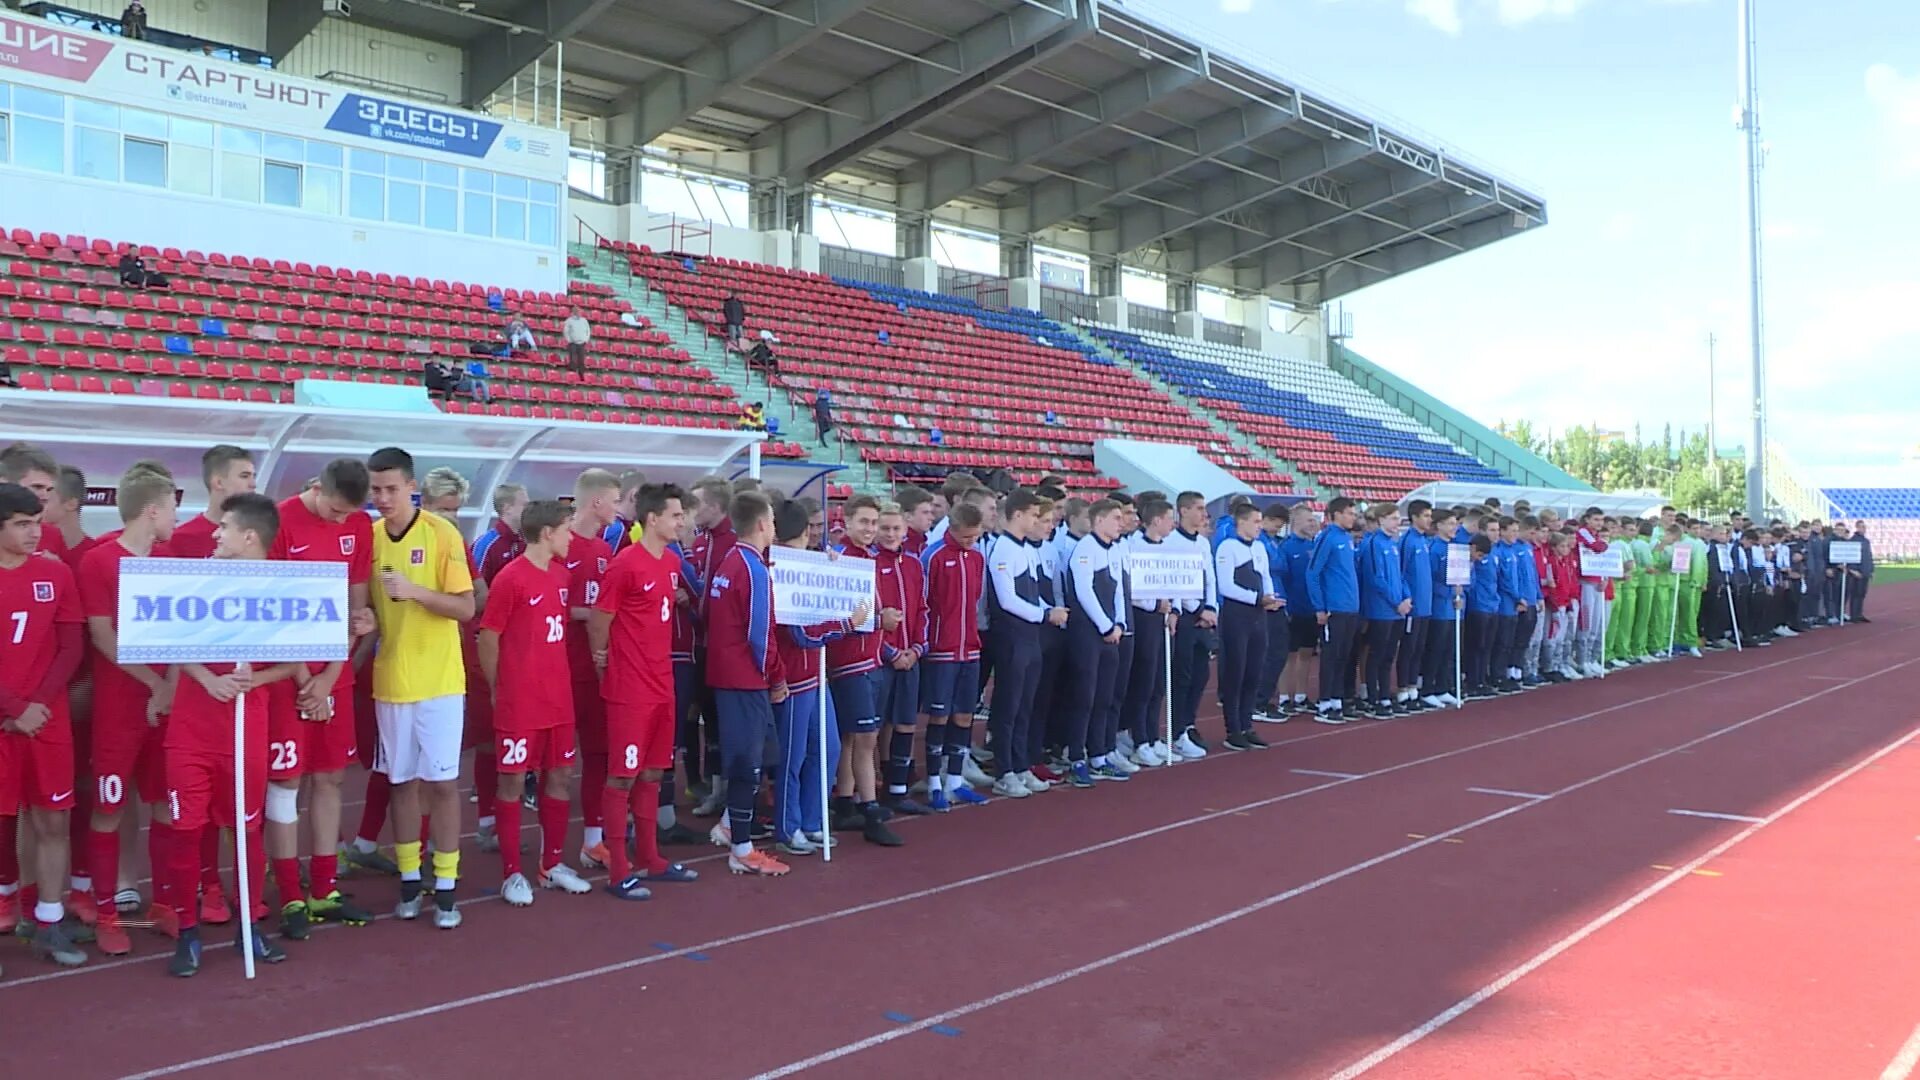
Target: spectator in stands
point(133, 22)
point(753, 417)
point(761, 356)
point(447, 379)
point(578, 333)
point(735, 313)
point(823, 413)
point(134, 272)
point(519, 336)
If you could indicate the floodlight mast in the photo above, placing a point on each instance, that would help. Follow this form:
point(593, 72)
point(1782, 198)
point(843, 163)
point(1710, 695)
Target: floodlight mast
point(1749, 124)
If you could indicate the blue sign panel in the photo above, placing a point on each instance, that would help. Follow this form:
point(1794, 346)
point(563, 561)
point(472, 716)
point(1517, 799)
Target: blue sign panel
point(413, 125)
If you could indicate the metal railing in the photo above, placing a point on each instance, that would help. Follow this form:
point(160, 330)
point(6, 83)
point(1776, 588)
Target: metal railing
point(1224, 333)
point(1142, 317)
point(844, 262)
point(1066, 305)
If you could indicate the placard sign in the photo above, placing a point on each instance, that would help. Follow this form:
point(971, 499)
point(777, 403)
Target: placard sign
point(813, 587)
point(1682, 558)
point(1168, 575)
point(1459, 564)
point(179, 611)
point(1844, 552)
point(1602, 564)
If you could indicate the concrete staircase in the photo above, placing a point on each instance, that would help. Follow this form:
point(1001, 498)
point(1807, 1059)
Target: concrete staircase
point(1303, 481)
point(794, 414)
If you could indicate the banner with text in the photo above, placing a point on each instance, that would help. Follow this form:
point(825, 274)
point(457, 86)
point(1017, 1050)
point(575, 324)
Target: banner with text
point(39, 53)
point(813, 587)
point(1682, 558)
point(1604, 564)
point(1844, 552)
point(1459, 564)
point(1168, 575)
point(179, 611)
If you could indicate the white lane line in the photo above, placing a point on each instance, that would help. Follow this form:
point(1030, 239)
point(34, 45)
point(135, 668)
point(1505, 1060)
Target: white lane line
point(1908, 1054)
point(1328, 773)
point(1744, 818)
point(1903, 1063)
point(1507, 794)
point(456, 1004)
point(948, 1016)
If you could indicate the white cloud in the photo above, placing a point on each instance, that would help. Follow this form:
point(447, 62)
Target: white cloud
point(1896, 99)
point(1236, 7)
point(1443, 14)
point(1515, 12)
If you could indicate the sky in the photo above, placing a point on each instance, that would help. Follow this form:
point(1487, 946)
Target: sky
point(1620, 113)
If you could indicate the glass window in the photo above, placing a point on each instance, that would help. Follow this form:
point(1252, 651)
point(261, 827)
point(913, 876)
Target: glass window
point(443, 209)
point(444, 175)
point(283, 148)
point(240, 178)
point(190, 170)
point(151, 125)
point(478, 215)
point(3, 132)
point(510, 220)
point(319, 153)
point(366, 197)
point(39, 144)
point(404, 168)
point(544, 192)
point(369, 161)
point(476, 180)
point(96, 153)
point(240, 140)
point(34, 102)
point(192, 132)
point(321, 191)
point(5, 94)
point(513, 187)
point(95, 113)
point(540, 224)
point(146, 162)
point(403, 202)
point(282, 184)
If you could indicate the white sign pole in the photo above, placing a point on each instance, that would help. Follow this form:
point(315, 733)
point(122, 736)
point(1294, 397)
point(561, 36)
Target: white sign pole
point(827, 771)
point(1843, 594)
point(240, 827)
point(1166, 681)
point(1734, 616)
point(1459, 692)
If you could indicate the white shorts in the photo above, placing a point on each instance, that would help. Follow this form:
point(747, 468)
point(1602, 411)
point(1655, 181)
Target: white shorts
point(420, 740)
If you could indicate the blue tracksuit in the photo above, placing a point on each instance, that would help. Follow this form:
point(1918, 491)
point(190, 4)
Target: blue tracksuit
point(1333, 586)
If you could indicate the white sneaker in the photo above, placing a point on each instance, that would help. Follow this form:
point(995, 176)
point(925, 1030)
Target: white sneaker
point(1185, 747)
point(1649, 659)
point(1123, 743)
point(822, 840)
point(1148, 756)
point(980, 753)
point(1120, 762)
point(798, 844)
point(516, 891)
point(1011, 786)
point(564, 878)
point(1694, 651)
point(1432, 701)
point(721, 835)
point(714, 803)
point(446, 918)
point(487, 840)
point(1034, 784)
point(1450, 701)
point(1619, 665)
point(1787, 631)
point(408, 910)
point(974, 774)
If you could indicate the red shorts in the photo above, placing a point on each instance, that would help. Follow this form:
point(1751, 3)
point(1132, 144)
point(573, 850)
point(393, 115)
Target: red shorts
point(296, 747)
point(590, 719)
point(35, 772)
point(127, 759)
point(539, 750)
point(639, 737)
point(200, 790)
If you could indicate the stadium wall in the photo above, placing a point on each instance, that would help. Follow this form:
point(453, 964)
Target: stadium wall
point(355, 53)
point(120, 140)
point(230, 22)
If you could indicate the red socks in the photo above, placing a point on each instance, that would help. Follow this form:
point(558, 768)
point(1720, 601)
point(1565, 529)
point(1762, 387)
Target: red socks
point(593, 778)
point(257, 872)
point(161, 842)
point(324, 874)
point(103, 859)
point(553, 830)
point(373, 817)
point(286, 877)
point(646, 827)
point(506, 824)
point(210, 855)
point(9, 850)
point(613, 816)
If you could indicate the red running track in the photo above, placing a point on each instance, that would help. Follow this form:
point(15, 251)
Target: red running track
point(1233, 918)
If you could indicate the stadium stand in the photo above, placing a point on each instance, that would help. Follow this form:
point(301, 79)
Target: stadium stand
point(242, 328)
point(899, 371)
point(1892, 515)
point(1305, 413)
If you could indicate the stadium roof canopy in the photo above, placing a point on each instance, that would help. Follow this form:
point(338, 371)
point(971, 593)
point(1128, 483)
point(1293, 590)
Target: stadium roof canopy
point(1568, 503)
point(1053, 113)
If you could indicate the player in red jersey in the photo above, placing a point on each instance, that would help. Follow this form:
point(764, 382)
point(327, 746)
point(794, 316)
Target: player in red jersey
point(226, 471)
point(504, 542)
point(200, 753)
point(63, 514)
point(34, 469)
point(41, 643)
point(523, 655)
point(486, 557)
point(713, 538)
point(311, 730)
point(594, 496)
point(632, 642)
point(129, 711)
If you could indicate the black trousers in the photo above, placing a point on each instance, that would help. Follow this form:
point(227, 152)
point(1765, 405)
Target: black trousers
point(1437, 675)
point(1413, 653)
point(1337, 640)
point(1857, 596)
point(1193, 647)
point(1482, 629)
point(1108, 724)
point(1243, 650)
point(1522, 637)
point(1146, 680)
point(1383, 644)
point(1090, 665)
point(1503, 631)
point(1048, 727)
point(1016, 653)
point(1279, 644)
